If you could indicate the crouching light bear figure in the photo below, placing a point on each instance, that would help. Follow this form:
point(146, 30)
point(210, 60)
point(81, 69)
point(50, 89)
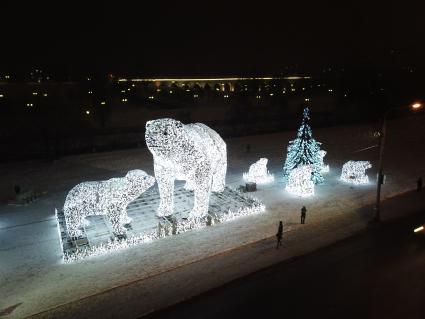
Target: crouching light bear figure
point(355, 172)
point(258, 173)
point(109, 198)
point(300, 182)
point(192, 152)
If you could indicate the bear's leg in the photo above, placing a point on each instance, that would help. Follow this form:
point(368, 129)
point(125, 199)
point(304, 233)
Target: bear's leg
point(219, 178)
point(117, 217)
point(202, 199)
point(165, 179)
point(74, 220)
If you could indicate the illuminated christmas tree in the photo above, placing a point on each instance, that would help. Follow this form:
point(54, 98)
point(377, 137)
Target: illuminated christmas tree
point(304, 150)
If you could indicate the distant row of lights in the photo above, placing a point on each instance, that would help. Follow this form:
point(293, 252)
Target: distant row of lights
point(102, 103)
point(36, 93)
point(152, 97)
point(33, 93)
point(292, 88)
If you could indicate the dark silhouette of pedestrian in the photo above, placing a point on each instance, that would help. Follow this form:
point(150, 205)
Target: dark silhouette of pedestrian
point(419, 184)
point(303, 214)
point(279, 235)
point(17, 189)
point(248, 148)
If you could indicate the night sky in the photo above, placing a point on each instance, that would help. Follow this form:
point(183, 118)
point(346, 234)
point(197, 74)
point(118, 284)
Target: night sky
point(210, 37)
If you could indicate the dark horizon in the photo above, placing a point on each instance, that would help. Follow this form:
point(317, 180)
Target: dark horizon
point(197, 38)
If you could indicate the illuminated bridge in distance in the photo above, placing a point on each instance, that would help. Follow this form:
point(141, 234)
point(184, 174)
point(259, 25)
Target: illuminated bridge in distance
point(223, 79)
point(217, 82)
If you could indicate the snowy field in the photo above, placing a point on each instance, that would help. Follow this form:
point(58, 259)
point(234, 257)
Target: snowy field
point(31, 271)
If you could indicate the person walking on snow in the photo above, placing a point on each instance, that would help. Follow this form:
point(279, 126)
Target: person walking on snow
point(279, 235)
point(303, 214)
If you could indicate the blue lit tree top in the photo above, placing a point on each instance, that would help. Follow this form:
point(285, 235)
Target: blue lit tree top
point(304, 150)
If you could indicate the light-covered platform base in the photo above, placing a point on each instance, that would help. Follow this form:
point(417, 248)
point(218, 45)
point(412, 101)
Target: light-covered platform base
point(99, 238)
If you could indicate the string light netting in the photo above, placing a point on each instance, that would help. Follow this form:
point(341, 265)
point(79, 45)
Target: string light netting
point(109, 198)
point(258, 173)
point(354, 172)
point(325, 167)
point(299, 181)
point(193, 153)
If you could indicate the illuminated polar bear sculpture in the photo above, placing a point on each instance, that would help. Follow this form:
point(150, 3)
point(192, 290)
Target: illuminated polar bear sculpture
point(299, 181)
point(192, 152)
point(354, 172)
point(325, 167)
point(258, 173)
point(109, 198)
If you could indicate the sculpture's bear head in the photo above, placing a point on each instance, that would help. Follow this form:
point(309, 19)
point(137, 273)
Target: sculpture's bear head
point(138, 182)
point(259, 168)
point(365, 165)
point(163, 135)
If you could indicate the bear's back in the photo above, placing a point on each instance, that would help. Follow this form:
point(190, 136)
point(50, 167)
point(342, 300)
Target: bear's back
point(208, 138)
point(94, 195)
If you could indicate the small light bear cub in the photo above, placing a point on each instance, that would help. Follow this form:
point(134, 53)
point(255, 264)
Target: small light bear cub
point(109, 198)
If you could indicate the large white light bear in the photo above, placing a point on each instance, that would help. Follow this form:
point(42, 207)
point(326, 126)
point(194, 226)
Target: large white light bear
point(109, 198)
point(192, 152)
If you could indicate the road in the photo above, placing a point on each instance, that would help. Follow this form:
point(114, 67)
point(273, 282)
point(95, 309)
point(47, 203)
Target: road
point(377, 274)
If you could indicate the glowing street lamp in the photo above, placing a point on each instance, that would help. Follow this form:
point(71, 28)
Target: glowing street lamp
point(416, 106)
point(380, 180)
point(416, 230)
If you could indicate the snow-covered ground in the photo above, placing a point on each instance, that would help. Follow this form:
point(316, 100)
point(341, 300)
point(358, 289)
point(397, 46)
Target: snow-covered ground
point(31, 271)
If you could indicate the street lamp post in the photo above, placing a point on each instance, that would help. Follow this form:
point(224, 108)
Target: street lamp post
point(380, 179)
